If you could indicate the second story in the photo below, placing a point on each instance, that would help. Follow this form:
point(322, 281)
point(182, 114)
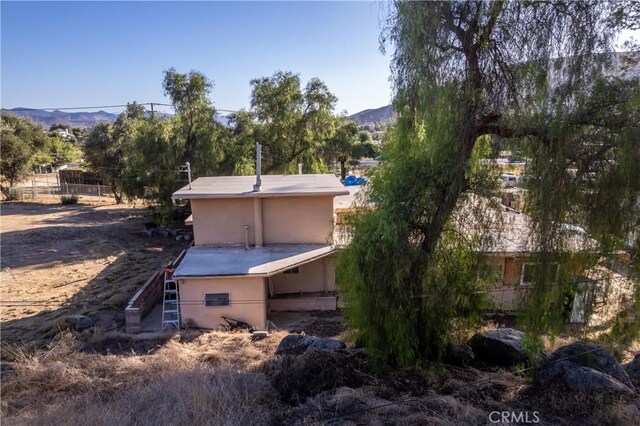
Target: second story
point(281, 209)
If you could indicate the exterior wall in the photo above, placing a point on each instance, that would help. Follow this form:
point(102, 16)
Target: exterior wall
point(304, 303)
point(506, 296)
point(221, 221)
point(247, 301)
point(317, 276)
point(297, 220)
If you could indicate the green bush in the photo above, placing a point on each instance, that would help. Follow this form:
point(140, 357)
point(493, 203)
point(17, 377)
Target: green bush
point(69, 199)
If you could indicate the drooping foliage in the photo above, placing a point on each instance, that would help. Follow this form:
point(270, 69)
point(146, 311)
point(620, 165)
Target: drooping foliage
point(535, 73)
point(294, 121)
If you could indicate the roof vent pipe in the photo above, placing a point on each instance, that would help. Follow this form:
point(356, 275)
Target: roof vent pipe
point(299, 168)
point(256, 187)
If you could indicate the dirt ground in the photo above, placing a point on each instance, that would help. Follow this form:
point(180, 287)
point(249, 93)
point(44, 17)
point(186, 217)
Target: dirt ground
point(59, 260)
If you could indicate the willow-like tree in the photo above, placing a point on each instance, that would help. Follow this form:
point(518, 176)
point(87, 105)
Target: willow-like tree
point(540, 73)
point(294, 122)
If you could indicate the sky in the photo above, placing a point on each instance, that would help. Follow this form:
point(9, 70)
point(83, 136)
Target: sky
point(68, 54)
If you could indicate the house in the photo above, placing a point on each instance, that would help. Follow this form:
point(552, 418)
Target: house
point(261, 245)
point(510, 251)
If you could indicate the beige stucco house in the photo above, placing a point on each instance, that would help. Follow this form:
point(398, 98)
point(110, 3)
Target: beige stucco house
point(258, 248)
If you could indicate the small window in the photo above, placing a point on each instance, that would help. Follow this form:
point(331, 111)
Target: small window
point(292, 271)
point(216, 299)
point(532, 271)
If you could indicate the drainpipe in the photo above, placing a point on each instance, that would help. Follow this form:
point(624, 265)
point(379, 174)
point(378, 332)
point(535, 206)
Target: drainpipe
point(246, 237)
point(257, 221)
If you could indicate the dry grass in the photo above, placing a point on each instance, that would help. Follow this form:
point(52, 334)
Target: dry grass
point(213, 378)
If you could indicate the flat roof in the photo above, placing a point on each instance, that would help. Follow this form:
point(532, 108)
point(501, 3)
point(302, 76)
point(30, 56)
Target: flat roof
point(272, 186)
point(212, 261)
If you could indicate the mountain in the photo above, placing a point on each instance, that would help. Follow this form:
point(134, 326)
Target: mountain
point(74, 119)
point(380, 115)
point(81, 119)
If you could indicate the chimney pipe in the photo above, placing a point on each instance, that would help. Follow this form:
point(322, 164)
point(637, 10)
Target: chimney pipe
point(256, 187)
point(299, 168)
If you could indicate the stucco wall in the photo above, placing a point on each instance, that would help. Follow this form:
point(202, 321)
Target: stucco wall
point(297, 220)
point(312, 277)
point(247, 301)
point(221, 221)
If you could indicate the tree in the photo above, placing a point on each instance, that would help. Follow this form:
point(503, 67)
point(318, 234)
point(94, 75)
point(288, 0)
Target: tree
point(189, 94)
point(106, 148)
point(463, 71)
point(364, 136)
point(57, 151)
point(21, 140)
point(294, 122)
point(340, 146)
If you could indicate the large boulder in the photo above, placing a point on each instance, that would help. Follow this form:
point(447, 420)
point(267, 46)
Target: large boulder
point(79, 322)
point(584, 379)
point(580, 354)
point(633, 369)
point(295, 344)
point(458, 355)
point(502, 346)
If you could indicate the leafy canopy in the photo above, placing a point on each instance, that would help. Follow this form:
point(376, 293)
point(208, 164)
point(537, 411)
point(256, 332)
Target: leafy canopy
point(463, 72)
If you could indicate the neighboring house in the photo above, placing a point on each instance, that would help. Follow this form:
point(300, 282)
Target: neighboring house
point(259, 248)
point(510, 253)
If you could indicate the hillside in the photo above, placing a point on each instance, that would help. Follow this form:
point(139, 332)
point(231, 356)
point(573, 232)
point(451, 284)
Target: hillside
point(382, 115)
point(74, 119)
point(80, 119)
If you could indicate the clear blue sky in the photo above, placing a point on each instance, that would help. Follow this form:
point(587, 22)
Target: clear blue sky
point(59, 54)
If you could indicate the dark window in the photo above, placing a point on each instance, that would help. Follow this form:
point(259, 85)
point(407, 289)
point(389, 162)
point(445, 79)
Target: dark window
point(216, 299)
point(292, 271)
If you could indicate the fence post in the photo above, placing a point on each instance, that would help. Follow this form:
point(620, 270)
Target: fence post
point(33, 188)
point(66, 184)
point(99, 191)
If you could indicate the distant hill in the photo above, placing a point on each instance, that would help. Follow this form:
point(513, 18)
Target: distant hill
point(80, 119)
point(382, 115)
point(74, 119)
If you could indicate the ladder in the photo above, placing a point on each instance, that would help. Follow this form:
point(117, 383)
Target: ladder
point(170, 301)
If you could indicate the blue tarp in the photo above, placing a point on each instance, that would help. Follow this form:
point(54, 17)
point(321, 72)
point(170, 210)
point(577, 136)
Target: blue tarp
point(352, 180)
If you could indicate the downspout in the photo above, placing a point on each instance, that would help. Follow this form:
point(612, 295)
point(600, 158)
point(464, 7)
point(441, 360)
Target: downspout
point(246, 237)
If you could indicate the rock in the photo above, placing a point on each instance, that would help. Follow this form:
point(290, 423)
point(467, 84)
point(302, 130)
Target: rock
point(295, 344)
point(459, 355)
point(327, 344)
point(584, 379)
point(502, 346)
point(79, 322)
point(581, 354)
point(633, 369)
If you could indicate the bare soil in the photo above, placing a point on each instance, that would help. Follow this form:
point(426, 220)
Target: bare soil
point(86, 259)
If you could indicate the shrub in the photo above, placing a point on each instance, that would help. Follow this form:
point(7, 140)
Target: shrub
point(69, 199)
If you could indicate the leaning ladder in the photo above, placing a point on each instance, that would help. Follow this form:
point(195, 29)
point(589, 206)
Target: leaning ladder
point(170, 301)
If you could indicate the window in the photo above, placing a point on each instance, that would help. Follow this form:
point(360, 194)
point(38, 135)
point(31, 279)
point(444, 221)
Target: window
point(292, 271)
point(492, 273)
point(216, 299)
point(531, 271)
